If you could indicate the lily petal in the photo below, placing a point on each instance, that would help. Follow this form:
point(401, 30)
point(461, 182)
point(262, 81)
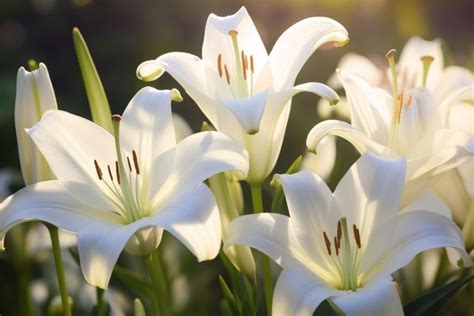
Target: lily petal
point(462, 95)
point(353, 135)
point(323, 162)
point(378, 298)
point(452, 79)
point(48, 201)
point(298, 43)
point(71, 144)
point(369, 193)
point(313, 87)
point(410, 233)
point(359, 66)
point(299, 292)
point(199, 157)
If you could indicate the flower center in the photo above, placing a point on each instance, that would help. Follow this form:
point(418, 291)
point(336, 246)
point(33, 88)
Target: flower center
point(240, 81)
point(123, 182)
point(345, 258)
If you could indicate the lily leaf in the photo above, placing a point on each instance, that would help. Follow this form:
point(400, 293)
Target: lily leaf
point(428, 303)
point(325, 309)
point(233, 304)
point(278, 197)
point(98, 103)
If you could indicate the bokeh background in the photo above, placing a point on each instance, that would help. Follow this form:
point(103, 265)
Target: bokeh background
point(123, 33)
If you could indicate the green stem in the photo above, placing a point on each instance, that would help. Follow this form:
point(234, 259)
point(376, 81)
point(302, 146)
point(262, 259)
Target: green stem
point(162, 301)
point(58, 261)
point(256, 191)
point(100, 302)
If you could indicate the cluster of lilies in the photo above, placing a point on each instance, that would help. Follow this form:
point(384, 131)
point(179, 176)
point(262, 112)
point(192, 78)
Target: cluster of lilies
point(119, 181)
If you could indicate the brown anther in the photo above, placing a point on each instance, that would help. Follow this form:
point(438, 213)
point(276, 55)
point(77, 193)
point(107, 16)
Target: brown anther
point(227, 74)
point(339, 232)
point(251, 64)
point(356, 235)
point(117, 171)
point(110, 173)
point(408, 103)
point(97, 168)
point(336, 246)
point(399, 107)
point(328, 243)
point(116, 117)
point(219, 65)
point(135, 162)
point(129, 164)
point(244, 66)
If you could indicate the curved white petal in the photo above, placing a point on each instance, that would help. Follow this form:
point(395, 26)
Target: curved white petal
point(357, 65)
point(313, 87)
point(430, 202)
point(248, 111)
point(465, 94)
point(71, 144)
point(452, 79)
point(377, 298)
point(217, 40)
point(199, 157)
point(181, 128)
point(369, 107)
point(409, 234)
point(298, 43)
point(308, 198)
point(48, 201)
point(299, 292)
point(342, 129)
point(369, 193)
point(341, 109)
point(189, 71)
point(193, 218)
point(323, 162)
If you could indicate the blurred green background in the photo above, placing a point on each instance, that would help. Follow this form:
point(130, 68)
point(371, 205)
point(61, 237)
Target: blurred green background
point(123, 33)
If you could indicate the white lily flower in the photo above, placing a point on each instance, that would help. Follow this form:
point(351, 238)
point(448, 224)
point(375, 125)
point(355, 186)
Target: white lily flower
point(411, 128)
point(34, 96)
point(123, 191)
point(245, 92)
point(322, 163)
point(344, 246)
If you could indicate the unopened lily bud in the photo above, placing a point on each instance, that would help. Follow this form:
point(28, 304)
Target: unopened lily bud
point(34, 96)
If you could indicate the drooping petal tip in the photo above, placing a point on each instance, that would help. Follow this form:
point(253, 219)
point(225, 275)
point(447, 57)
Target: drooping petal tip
point(149, 70)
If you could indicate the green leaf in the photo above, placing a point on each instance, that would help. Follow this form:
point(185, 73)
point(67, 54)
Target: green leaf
point(138, 309)
point(132, 281)
point(325, 309)
point(98, 103)
point(234, 305)
point(278, 197)
point(429, 303)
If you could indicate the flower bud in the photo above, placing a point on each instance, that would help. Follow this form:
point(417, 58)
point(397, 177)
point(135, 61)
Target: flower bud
point(34, 96)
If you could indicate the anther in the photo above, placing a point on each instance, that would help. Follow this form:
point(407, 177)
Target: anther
point(219, 65)
point(336, 246)
point(244, 66)
point(117, 171)
point(408, 103)
point(97, 168)
point(356, 235)
point(227, 75)
point(135, 162)
point(110, 173)
point(116, 117)
point(129, 164)
point(399, 107)
point(328, 243)
point(251, 64)
point(339, 232)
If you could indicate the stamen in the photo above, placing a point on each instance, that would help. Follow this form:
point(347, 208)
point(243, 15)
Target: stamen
point(227, 75)
point(135, 162)
point(117, 172)
point(242, 56)
point(393, 70)
point(408, 103)
point(328, 243)
point(339, 232)
point(399, 107)
point(116, 117)
point(251, 64)
point(129, 164)
point(356, 235)
point(97, 168)
point(110, 173)
point(336, 246)
point(426, 60)
point(219, 65)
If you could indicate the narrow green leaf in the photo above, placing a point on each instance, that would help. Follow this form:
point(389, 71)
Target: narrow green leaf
point(138, 309)
point(132, 281)
point(98, 103)
point(233, 304)
point(429, 303)
point(278, 197)
point(325, 309)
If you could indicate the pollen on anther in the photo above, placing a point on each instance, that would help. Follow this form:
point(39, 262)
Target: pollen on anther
point(244, 65)
point(408, 103)
point(129, 164)
point(339, 231)
point(356, 235)
point(219, 65)
point(116, 117)
point(135, 162)
point(227, 74)
point(328, 243)
point(117, 171)
point(110, 173)
point(336, 245)
point(97, 168)
point(251, 64)
point(399, 107)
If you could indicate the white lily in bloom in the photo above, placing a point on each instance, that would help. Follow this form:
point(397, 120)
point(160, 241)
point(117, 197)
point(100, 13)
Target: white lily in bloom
point(34, 96)
point(344, 246)
point(123, 191)
point(245, 92)
point(409, 126)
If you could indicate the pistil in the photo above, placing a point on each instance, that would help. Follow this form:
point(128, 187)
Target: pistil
point(392, 142)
